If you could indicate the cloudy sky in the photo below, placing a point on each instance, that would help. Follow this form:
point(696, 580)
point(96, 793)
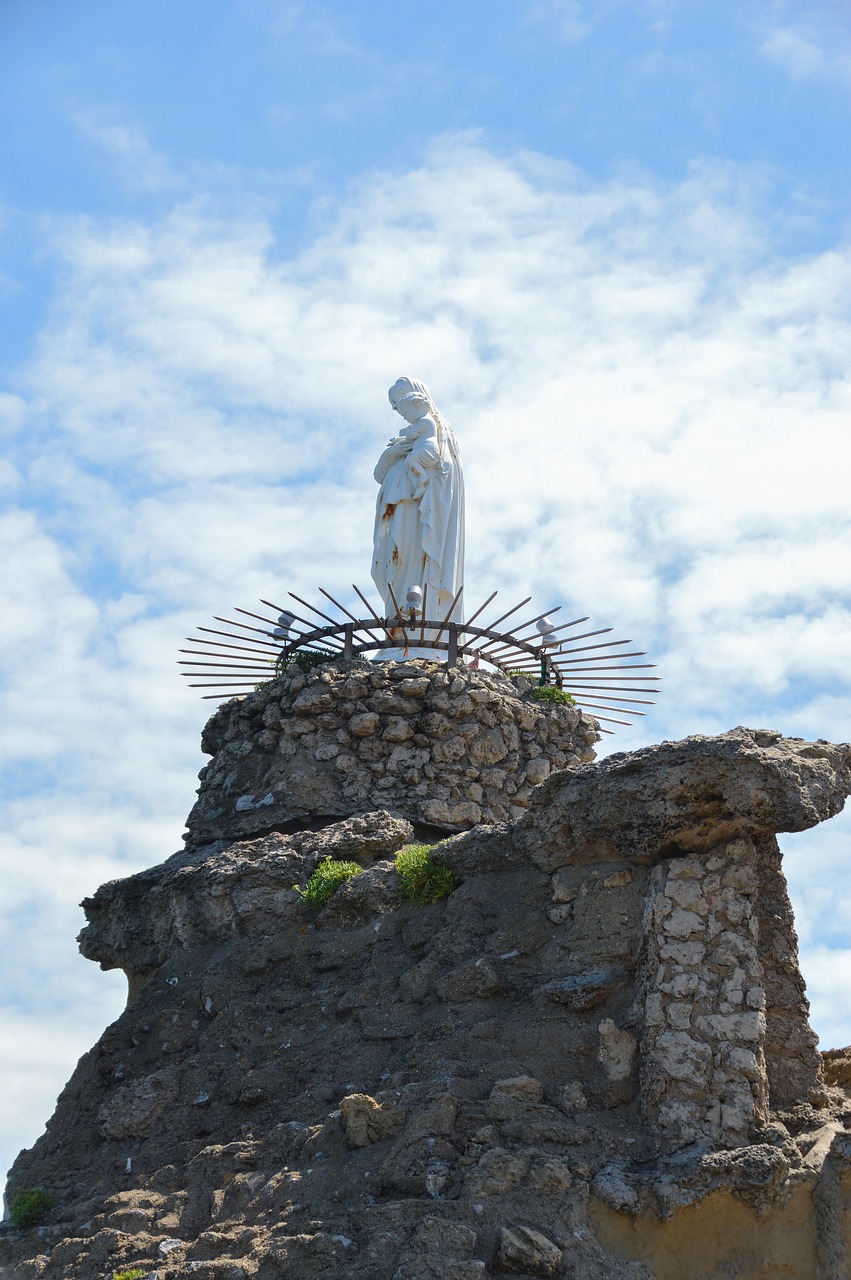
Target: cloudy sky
point(613, 237)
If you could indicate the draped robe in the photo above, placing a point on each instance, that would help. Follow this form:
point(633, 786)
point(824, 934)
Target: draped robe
point(419, 518)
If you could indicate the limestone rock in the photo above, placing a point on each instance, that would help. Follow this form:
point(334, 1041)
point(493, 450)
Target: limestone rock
point(366, 1121)
point(837, 1067)
point(521, 1088)
point(528, 1252)
point(363, 897)
point(223, 891)
point(617, 1053)
point(365, 838)
point(585, 990)
point(484, 849)
point(134, 1109)
point(682, 797)
point(497, 1173)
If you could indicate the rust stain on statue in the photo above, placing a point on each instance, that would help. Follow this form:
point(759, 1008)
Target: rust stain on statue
point(389, 511)
point(395, 556)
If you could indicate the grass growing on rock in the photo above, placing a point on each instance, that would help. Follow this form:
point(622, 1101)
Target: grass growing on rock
point(422, 878)
point(326, 880)
point(549, 693)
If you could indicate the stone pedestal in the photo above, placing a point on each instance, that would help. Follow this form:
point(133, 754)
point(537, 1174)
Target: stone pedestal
point(445, 748)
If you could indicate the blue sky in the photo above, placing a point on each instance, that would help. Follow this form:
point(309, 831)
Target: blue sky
point(614, 240)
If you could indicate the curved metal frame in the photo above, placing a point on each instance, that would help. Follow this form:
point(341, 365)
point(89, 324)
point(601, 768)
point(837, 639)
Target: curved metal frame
point(543, 660)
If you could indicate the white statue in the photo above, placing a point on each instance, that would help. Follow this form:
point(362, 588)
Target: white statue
point(419, 516)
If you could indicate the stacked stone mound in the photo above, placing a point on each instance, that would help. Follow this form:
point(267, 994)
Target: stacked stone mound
point(591, 1060)
point(445, 748)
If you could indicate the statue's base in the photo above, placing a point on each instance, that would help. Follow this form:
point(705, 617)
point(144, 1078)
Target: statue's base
point(407, 655)
point(584, 671)
point(443, 747)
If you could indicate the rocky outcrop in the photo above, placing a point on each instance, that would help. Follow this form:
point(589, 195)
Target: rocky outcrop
point(221, 891)
point(686, 797)
point(592, 1059)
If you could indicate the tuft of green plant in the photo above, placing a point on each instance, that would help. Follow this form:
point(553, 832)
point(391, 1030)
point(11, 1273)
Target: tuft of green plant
point(303, 660)
point(130, 1273)
point(422, 878)
point(549, 693)
point(326, 880)
point(29, 1207)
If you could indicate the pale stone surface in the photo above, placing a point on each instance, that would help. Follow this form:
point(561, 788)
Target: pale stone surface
point(137, 1107)
point(688, 796)
point(247, 889)
point(366, 1121)
point(528, 1252)
point(612, 1188)
point(410, 737)
point(616, 1052)
point(703, 1055)
point(573, 1097)
point(564, 887)
point(496, 1173)
point(524, 1088)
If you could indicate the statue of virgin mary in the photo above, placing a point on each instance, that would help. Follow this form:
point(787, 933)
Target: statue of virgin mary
point(419, 515)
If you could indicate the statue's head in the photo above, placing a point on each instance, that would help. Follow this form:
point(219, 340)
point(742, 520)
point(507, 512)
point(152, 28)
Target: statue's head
point(410, 398)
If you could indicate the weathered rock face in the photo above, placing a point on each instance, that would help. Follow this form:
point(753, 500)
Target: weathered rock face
point(449, 749)
point(591, 1060)
point(688, 797)
point(222, 891)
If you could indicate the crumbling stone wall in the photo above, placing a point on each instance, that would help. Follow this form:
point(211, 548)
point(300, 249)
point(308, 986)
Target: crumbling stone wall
point(447, 748)
point(703, 1070)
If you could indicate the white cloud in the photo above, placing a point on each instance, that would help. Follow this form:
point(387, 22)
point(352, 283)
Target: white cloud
point(567, 18)
point(651, 404)
point(125, 145)
point(38, 1051)
point(819, 875)
point(826, 971)
point(796, 55)
point(813, 40)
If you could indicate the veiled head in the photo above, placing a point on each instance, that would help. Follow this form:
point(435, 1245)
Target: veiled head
point(410, 398)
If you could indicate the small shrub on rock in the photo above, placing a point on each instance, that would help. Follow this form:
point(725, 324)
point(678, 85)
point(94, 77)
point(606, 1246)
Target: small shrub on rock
point(422, 878)
point(29, 1207)
point(305, 660)
point(549, 693)
point(130, 1273)
point(326, 880)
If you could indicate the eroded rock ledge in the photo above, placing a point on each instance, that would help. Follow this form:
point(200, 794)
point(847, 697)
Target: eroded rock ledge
point(591, 1060)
